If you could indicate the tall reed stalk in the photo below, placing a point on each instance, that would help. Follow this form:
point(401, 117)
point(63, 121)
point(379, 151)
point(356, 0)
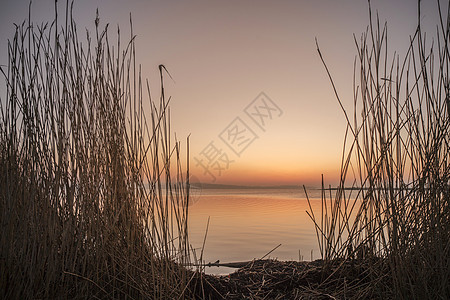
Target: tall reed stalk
point(391, 209)
point(92, 200)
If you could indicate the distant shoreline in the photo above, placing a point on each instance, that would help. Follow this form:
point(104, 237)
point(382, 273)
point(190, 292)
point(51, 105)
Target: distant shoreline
point(231, 186)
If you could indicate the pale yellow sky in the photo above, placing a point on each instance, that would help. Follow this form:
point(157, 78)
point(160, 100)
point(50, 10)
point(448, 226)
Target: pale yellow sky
point(223, 54)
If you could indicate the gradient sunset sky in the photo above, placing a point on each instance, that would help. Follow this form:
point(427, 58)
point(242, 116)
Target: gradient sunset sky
point(223, 54)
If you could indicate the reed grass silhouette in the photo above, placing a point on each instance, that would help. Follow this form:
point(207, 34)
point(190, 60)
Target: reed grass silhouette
point(391, 209)
point(93, 200)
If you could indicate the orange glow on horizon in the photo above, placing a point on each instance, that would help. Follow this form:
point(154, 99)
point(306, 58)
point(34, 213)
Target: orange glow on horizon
point(256, 176)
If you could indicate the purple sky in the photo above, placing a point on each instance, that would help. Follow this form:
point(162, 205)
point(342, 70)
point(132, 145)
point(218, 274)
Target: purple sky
point(222, 54)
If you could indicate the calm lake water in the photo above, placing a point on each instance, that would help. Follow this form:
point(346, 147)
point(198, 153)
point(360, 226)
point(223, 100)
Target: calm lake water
point(248, 223)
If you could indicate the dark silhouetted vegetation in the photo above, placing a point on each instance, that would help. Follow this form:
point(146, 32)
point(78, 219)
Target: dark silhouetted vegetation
point(92, 196)
point(391, 209)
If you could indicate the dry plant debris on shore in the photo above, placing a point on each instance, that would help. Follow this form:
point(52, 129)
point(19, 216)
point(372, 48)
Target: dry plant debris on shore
point(272, 279)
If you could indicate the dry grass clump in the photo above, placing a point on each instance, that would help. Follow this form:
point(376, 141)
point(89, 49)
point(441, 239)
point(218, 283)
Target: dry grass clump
point(92, 200)
point(394, 193)
point(272, 279)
